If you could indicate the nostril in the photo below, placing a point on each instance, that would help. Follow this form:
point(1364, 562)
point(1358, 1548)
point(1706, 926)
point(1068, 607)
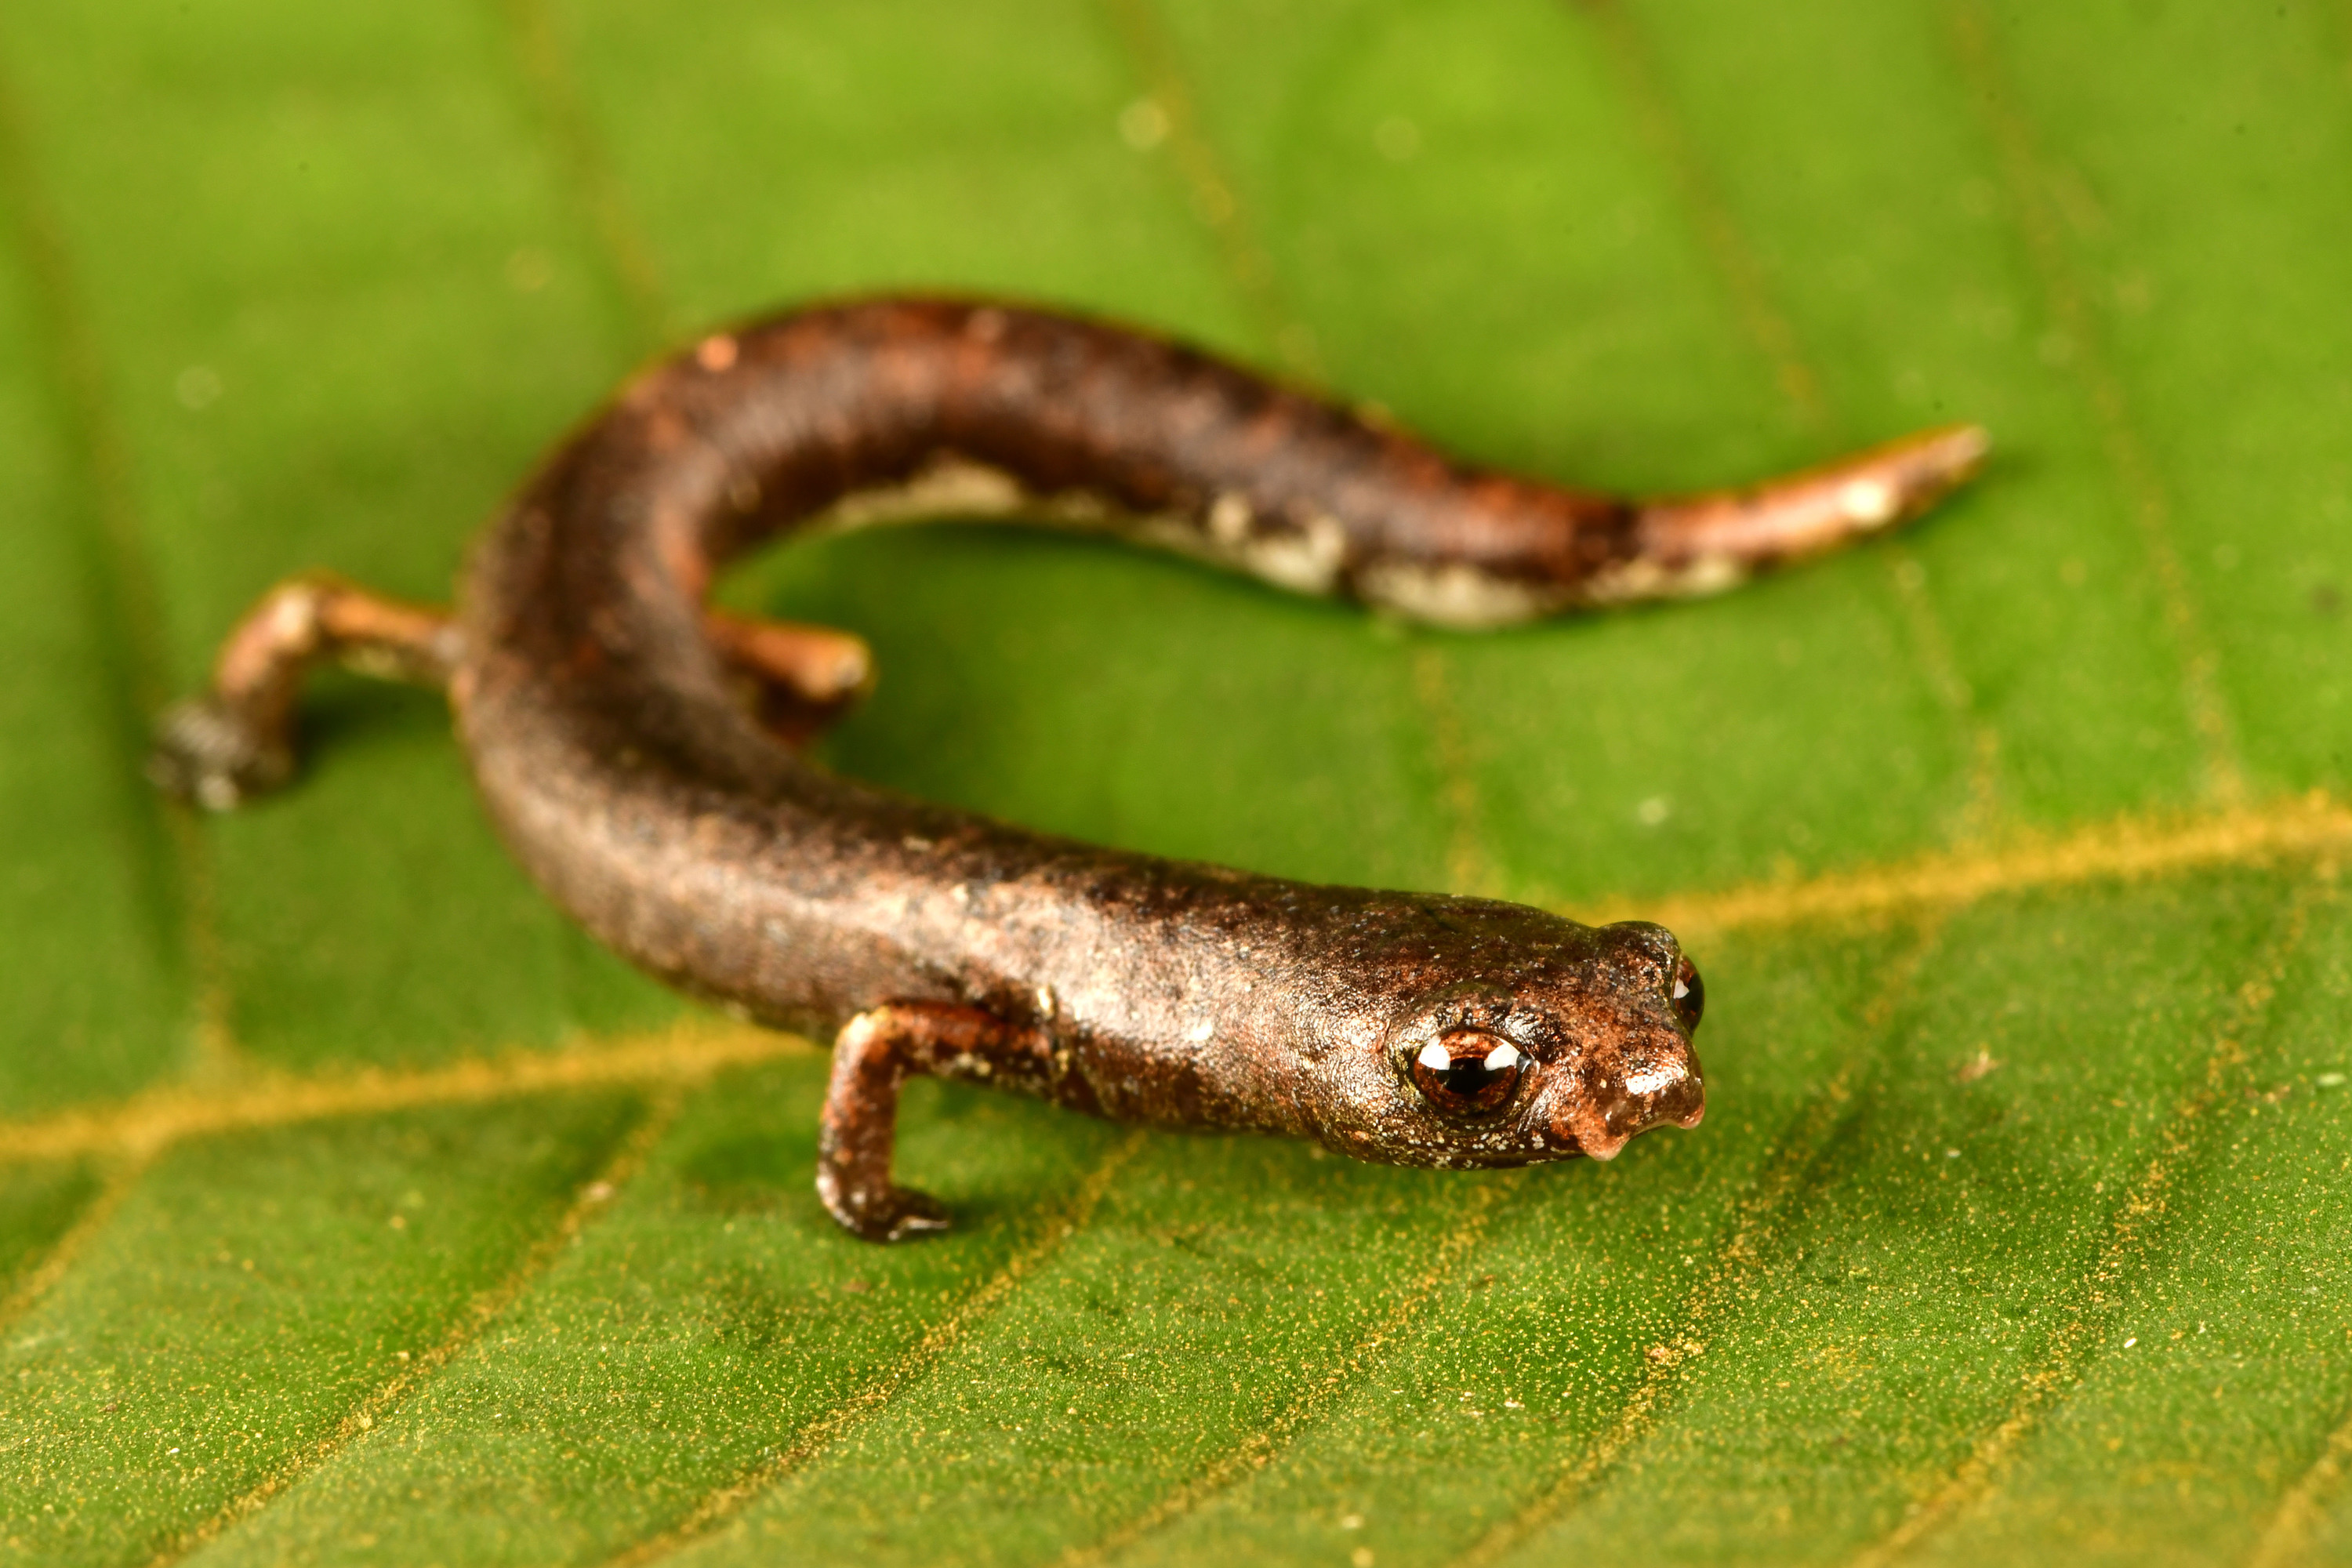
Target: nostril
point(1666, 1076)
point(1685, 1103)
point(1603, 1111)
point(1669, 1092)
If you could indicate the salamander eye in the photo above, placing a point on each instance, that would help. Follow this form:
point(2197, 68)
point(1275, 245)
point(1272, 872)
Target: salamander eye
point(1690, 994)
point(1468, 1073)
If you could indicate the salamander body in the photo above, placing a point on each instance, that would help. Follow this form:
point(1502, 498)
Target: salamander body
point(637, 751)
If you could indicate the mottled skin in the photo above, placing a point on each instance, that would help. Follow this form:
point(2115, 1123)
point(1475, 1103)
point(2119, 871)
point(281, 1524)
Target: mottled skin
point(632, 748)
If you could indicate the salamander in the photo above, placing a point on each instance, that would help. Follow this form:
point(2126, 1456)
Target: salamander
point(640, 753)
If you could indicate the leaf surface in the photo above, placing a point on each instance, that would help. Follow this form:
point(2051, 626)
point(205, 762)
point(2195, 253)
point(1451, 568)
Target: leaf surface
point(355, 1208)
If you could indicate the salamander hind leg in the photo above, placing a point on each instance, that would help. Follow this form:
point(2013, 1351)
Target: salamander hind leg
point(874, 1054)
point(236, 740)
point(801, 678)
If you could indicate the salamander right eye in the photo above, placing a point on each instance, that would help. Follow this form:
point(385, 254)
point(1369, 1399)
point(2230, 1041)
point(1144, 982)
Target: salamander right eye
point(1690, 994)
point(1468, 1073)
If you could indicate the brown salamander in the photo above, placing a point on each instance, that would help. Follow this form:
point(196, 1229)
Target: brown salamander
point(637, 750)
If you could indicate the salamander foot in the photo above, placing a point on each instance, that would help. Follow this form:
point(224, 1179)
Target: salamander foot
point(236, 740)
point(875, 1054)
point(801, 678)
point(889, 1213)
point(211, 753)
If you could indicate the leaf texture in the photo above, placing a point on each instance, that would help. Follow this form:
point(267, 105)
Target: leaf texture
point(354, 1208)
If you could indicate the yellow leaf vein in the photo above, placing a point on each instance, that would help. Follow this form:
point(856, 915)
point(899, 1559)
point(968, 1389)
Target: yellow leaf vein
point(595, 1197)
point(721, 1506)
point(1762, 1216)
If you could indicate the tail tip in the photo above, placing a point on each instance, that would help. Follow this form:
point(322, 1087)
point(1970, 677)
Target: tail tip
point(1954, 452)
point(1969, 442)
point(1906, 478)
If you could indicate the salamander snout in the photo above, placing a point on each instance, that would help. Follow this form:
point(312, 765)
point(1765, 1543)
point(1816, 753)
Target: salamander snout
point(1638, 1070)
point(1615, 1106)
point(1576, 1054)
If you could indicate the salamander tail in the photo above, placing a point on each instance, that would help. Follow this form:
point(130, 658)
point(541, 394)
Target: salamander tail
point(1712, 541)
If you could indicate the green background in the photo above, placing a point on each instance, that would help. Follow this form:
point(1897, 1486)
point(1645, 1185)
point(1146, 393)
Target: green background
point(352, 1208)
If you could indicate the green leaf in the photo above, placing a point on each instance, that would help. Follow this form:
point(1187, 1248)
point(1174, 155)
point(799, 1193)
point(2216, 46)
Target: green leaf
point(353, 1208)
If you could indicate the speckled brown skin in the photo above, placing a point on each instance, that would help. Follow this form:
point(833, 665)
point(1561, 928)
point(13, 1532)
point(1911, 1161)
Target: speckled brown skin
point(606, 717)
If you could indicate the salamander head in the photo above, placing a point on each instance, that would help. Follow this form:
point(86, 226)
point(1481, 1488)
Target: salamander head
point(1572, 1052)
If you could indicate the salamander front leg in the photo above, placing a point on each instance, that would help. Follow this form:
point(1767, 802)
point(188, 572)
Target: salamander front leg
point(238, 740)
point(802, 678)
point(873, 1056)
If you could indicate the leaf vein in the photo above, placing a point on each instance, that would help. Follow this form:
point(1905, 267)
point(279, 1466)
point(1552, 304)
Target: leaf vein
point(2024, 171)
point(1214, 200)
point(1217, 204)
point(595, 1197)
point(95, 1213)
point(2125, 849)
point(2286, 1539)
point(584, 174)
point(2133, 1226)
point(173, 865)
point(154, 1120)
point(1770, 328)
point(1466, 1229)
point(720, 1506)
point(1773, 1196)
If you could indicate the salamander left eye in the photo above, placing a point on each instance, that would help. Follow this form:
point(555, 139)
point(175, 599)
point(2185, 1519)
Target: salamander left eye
point(1468, 1073)
point(1690, 994)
